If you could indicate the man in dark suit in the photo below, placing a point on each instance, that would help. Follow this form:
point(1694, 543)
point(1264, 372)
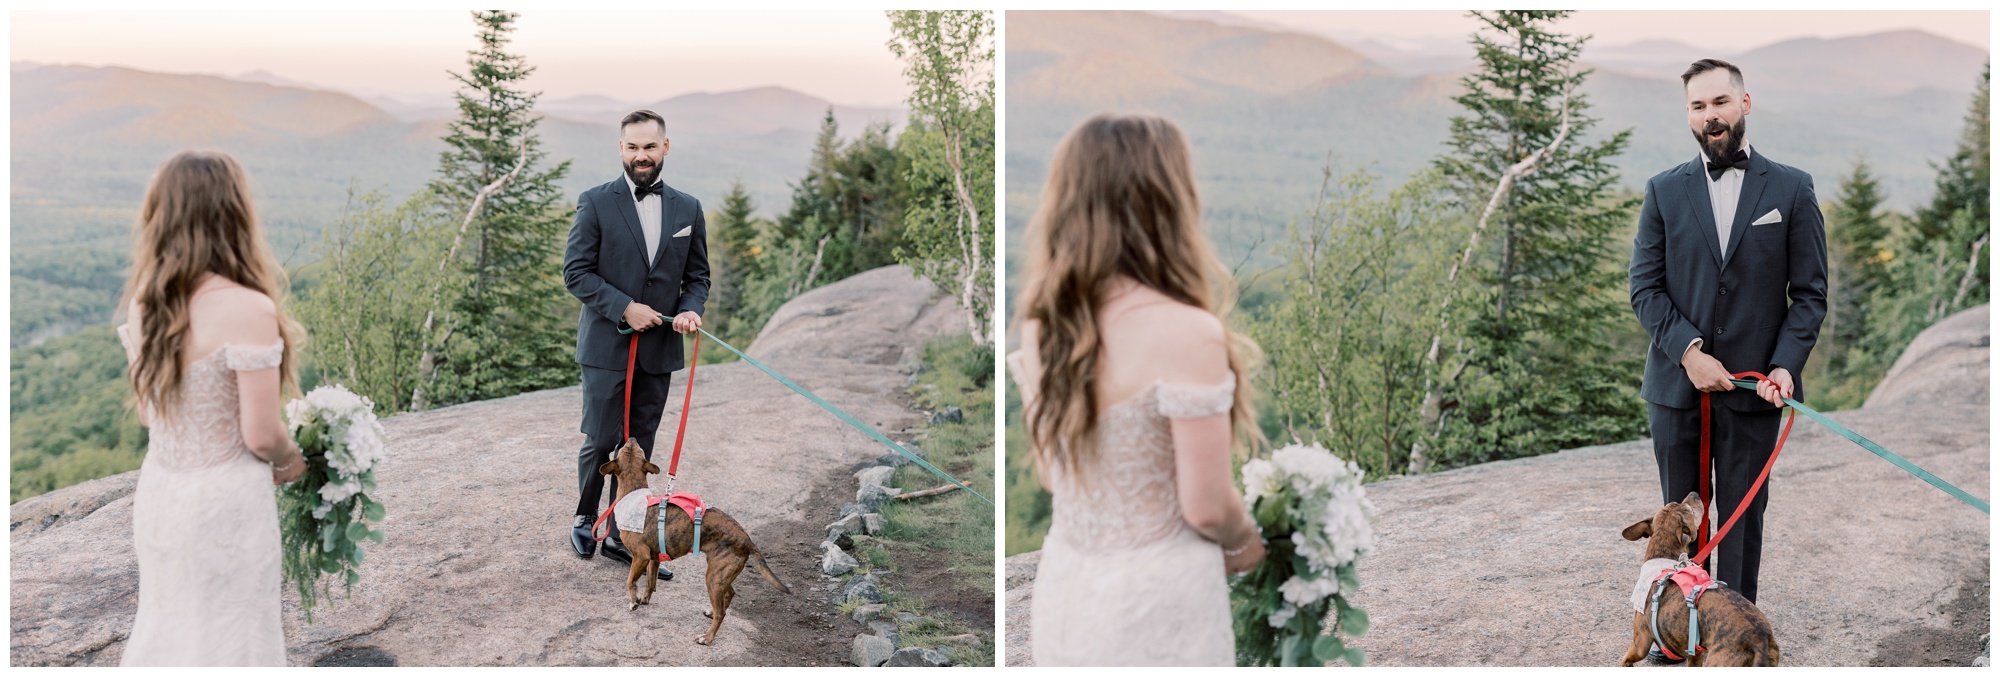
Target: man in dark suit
point(1728, 275)
point(639, 250)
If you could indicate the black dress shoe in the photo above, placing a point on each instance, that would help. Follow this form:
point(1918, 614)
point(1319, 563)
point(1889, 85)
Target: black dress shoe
point(579, 538)
point(1657, 657)
point(615, 550)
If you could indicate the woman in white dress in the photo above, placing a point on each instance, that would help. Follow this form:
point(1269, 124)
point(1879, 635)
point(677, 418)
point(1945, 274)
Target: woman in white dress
point(1136, 393)
point(211, 351)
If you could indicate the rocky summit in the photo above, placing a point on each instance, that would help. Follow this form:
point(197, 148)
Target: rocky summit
point(476, 568)
point(1520, 562)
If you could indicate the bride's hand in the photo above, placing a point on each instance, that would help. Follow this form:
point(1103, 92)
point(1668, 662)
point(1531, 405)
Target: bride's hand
point(286, 473)
point(1247, 559)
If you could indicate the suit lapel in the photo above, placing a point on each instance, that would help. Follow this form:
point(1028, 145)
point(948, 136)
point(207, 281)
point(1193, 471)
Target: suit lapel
point(666, 229)
point(1695, 182)
point(1746, 202)
point(622, 195)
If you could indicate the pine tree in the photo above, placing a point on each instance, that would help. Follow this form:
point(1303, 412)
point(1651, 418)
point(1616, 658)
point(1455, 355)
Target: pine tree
point(732, 262)
point(1858, 235)
point(1545, 373)
point(511, 330)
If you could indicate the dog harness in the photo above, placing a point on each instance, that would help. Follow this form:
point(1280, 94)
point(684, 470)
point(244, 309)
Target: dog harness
point(1692, 581)
point(631, 510)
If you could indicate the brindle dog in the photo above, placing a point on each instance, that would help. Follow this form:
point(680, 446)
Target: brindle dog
point(1734, 632)
point(723, 541)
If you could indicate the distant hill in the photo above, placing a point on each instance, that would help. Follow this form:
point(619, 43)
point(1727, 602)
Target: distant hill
point(86, 140)
point(1265, 109)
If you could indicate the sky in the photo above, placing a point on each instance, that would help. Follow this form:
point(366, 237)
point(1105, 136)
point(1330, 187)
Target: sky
point(627, 55)
point(1727, 31)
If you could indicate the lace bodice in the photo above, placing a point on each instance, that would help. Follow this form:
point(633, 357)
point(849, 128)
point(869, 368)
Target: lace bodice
point(205, 430)
point(1128, 496)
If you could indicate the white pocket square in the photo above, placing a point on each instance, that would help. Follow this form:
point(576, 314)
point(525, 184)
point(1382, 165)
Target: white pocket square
point(689, 229)
point(1771, 217)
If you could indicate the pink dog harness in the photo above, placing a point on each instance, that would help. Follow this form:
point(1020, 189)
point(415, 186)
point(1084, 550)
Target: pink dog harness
point(1692, 581)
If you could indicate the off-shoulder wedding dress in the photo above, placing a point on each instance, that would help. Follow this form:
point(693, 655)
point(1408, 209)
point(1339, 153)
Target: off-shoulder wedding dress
point(205, 525)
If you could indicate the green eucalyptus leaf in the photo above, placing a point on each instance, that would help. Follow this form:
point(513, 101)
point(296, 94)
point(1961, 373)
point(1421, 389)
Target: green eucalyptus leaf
point(353, 577)
point(1354, 622)
point(375, 536)
point(1288, 652)
point(1328, 648)
point(356, 531)
point(1356, 657)
point(375, 511)
point(1349, 580)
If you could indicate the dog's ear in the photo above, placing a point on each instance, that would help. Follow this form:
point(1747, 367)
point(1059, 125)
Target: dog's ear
point(1638, 530)
point(654, 469)
point(609, 468)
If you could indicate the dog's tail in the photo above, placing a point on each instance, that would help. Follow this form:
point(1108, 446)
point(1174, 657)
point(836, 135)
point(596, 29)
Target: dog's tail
point(769, 575)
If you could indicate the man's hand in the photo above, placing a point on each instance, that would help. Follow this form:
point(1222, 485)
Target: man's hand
point(1776, 389)
point(641, 317)
point(687, 322)
point(1705, 372)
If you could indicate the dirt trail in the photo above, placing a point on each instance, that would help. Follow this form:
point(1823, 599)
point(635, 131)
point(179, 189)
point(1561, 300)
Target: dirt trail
point(476, 568)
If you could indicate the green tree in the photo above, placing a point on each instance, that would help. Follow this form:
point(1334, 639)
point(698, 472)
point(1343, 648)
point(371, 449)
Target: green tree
point(1545, 374)
point(1858, 238)
point(71, 412)
point(948, 61)
point(1938, 262)
point(379, 276)
point(732, 261)
point(1346, 337)
point(507, 332)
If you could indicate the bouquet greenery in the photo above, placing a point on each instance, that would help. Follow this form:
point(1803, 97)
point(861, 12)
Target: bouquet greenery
point(325, 515)
point(1315, 515)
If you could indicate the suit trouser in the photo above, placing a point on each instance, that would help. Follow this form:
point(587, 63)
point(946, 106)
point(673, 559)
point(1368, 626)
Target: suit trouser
point(604, 426)
point(1740, 445)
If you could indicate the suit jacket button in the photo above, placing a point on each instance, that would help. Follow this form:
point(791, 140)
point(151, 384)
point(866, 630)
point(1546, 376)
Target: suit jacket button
point(1725, 291)
point(1718, 331)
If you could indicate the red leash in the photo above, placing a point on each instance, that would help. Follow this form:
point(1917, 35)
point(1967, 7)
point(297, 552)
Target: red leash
point(1707, 544)
point(631, 361)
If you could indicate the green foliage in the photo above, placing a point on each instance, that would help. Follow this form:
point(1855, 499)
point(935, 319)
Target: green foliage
point(1029, 506)
point(72, 415)
point(1937, 263)
point(379, 276)
point(1857, 229)
point(948, 61)
point(954, 372)
point(732, 233)
point(512, 329)
point(843, 220)
point(1545, 374)
point(1345, 339)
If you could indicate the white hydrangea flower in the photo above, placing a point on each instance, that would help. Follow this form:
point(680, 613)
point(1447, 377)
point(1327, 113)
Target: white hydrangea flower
point(335, 492)
point(1260, 479)
point(1301, 591)
point(1283, 615)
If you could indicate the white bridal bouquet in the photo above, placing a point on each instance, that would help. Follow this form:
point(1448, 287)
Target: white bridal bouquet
point(1311, 508)
point(325, 515)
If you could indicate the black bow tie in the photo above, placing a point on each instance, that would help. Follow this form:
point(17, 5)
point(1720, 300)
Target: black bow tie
point(1738, 160)
point(640, 192)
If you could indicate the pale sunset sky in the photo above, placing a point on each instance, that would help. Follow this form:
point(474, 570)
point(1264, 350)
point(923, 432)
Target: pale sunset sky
point(1723, 30)
point(840, 56)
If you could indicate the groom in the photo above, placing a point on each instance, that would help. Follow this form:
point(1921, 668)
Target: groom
point(1728, 275)
point(637, 254)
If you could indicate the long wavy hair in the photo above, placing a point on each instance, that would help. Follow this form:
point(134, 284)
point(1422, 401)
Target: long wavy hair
point(196, 219)
point(1120, 201)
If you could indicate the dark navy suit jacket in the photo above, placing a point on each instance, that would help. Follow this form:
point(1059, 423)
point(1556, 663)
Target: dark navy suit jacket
point(1756, 303)
point(605, 267)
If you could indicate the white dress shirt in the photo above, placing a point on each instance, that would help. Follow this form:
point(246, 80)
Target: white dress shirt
point(649, 217)
point(1723, 193)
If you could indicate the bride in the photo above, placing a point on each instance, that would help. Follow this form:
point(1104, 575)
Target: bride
point(210, 350)
point(1135, 391)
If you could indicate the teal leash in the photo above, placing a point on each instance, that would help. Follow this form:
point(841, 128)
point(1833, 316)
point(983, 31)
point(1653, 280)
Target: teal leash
point(1878, 450)
point(844, 416)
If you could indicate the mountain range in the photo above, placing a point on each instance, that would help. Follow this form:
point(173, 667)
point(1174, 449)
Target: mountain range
point(1267, 109)
point(87, 139)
